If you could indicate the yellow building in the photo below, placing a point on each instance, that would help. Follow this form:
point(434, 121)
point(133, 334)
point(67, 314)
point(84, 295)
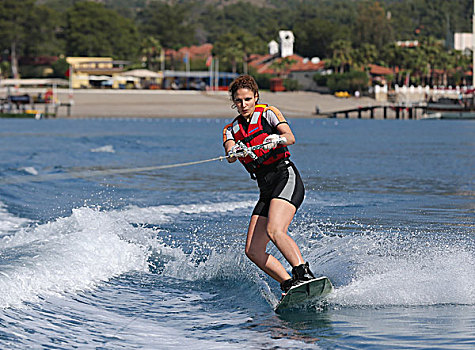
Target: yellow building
point(87, 72)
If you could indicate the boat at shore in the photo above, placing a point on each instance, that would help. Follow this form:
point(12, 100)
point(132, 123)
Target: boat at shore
point(459, 107)
point(15, 106)
point(29, 114)
point(449, 115)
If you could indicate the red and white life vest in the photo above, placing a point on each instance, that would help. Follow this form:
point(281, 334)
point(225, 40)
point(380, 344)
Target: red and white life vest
point(254, 135)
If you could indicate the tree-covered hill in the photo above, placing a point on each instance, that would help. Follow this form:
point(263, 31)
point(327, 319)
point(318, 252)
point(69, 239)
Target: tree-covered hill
point(345, 32)
point(409, 18)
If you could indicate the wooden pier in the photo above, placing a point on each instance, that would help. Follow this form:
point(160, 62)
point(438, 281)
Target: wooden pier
point(381, 112)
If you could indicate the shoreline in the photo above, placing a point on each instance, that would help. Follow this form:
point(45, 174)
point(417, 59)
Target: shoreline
point(101, 103)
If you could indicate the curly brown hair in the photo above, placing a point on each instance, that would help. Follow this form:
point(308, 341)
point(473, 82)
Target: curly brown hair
point(243, 82)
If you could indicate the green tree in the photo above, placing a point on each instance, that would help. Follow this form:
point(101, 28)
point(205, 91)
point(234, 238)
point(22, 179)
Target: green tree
point(464, 64)
point(60, 68)
point(264, 24)
point(282, 65)
point(446, 63)
point(342, 54)
point(431, 49)
point(46, 24)
point(315, 36)
point(364, 55)
point(234, 47)
point(14, 19)
point(168, 23)
point(389, 56)
point(348, 81)
point(151, 50)
point(415, 19)
point(93, 30)
point(414, 63)
point(372, 25)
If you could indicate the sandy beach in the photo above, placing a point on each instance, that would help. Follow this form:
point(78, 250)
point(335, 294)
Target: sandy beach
point(189, 104)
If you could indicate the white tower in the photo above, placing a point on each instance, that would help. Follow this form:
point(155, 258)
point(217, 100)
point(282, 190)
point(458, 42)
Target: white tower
point(273, 47)
point(286, 43)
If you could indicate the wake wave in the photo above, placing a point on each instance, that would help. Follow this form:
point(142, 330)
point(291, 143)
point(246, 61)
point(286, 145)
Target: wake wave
point(437, 278)
point(91, 246)
point(166, 213)
point(69, 254)
point(371, 267)
point(8, 222)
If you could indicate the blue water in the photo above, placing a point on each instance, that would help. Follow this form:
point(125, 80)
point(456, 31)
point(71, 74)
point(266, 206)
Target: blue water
point(156, 259)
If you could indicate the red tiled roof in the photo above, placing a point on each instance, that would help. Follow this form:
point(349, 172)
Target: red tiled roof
point(194, 51)
point(379, 70)
point(256, 59)
point(201, 51)
point(263, 63)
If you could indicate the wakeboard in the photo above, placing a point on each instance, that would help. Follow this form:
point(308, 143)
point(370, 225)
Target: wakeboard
point(305, 292)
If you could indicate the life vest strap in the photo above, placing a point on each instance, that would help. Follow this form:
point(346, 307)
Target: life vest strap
point(250, 137)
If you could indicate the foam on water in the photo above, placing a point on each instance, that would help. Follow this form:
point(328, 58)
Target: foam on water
point(380, 268)
point(8, 222)
point(78, 252)
point(368, 266)
point(69, 254)
point(436, 278)
point(165, 213)
point(103, 149)
point(30, 170)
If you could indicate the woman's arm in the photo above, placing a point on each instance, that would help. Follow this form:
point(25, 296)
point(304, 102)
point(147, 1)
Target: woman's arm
point(227, 147)
point(284, 131)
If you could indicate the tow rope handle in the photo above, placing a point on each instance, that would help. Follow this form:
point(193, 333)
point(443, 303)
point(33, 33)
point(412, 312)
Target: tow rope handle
point(247, 150)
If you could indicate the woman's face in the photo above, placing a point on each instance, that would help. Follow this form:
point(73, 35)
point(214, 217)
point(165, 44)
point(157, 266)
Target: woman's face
point(245, 101)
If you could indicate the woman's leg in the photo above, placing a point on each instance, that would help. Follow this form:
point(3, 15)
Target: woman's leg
point(279, 218)
point(256, 244)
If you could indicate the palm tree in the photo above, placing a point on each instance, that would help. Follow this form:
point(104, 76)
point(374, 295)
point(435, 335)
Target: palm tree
point(235, 47)
point(393, 56)
point(150, 50)
point(365, 55)
point(463, 63)
point(445, 62)
point(415, 63)
point(432, 49)
point(282, 65)
point(342, 54)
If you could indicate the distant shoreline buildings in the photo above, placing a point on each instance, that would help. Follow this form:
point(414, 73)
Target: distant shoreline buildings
point(280, 62)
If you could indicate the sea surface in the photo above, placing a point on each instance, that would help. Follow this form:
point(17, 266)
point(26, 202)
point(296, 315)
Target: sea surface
point(96, 254)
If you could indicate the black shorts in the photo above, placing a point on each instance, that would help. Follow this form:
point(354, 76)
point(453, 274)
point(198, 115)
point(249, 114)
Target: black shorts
point(282, 181)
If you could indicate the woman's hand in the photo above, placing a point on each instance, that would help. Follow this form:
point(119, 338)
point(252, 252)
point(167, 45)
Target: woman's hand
point(231, 149)
point(237, 151)
point(272, 141)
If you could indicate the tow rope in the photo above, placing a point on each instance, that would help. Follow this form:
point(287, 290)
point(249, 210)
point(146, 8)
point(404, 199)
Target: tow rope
point(93, 173)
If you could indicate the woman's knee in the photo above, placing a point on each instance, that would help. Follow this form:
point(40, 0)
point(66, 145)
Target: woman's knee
point(274, 232)
point(250, 253)
point(254, 254)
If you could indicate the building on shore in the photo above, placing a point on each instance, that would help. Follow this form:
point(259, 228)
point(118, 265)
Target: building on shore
point(281, 61)
point(96, 72)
